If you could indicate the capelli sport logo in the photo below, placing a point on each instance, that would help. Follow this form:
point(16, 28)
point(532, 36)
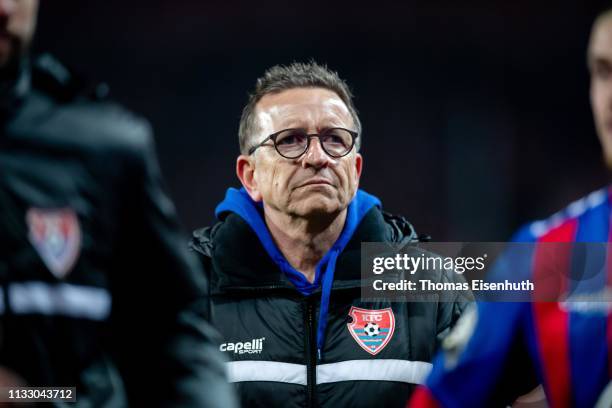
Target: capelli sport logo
point(254, 346)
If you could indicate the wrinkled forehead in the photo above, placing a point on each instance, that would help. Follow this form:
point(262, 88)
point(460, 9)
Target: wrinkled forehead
point(600, 43)
point(310, 108)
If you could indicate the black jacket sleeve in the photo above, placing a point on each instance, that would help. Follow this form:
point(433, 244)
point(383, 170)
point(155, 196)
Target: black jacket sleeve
point(166, 351)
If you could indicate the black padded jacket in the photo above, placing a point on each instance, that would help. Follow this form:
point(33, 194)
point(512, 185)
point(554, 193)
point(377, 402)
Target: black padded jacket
point(269, 328)
point(97, 289)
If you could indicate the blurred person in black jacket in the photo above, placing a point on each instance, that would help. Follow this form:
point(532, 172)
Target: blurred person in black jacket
point(97, 289)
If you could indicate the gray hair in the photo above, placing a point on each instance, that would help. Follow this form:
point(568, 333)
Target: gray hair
point(280, 78)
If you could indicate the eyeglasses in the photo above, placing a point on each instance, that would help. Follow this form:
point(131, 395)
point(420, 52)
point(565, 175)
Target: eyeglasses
point(292, 143)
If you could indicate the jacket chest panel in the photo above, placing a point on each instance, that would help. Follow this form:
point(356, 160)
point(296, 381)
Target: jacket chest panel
point(56, 207)
point(263, 328)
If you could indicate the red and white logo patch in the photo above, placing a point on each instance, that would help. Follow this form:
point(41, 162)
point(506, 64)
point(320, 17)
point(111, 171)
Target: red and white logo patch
point(372, 329)
point(56, 236)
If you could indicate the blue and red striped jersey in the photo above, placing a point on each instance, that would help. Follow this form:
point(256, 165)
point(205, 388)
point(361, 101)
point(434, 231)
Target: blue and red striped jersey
point(568, 348)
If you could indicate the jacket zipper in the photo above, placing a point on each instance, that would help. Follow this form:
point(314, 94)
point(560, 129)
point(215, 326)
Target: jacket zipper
point(311, 353)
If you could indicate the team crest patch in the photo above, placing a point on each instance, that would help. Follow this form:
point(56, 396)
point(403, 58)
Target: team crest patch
point(372, 329)
point(56, 236)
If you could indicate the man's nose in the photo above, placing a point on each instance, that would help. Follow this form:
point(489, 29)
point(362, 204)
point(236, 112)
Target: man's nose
point(315, 156)
point(7, 7)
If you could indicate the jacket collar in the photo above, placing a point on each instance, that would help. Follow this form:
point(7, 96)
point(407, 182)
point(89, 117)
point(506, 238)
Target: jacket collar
point(239, 202)
point(240, 263)
point(15, 84)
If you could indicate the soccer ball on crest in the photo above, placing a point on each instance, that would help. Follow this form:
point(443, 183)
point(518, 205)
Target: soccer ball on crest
point(371, 329)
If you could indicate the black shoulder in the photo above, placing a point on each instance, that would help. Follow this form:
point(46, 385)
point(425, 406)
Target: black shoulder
point(399, 228)
point(202, 239)
point(70, 111)
point(64, 84)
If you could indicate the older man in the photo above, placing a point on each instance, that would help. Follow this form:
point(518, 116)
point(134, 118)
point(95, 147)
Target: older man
point(284, 260)
point(507, 347)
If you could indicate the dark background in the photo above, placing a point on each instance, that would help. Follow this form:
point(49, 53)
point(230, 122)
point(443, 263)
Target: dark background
point(476, 114)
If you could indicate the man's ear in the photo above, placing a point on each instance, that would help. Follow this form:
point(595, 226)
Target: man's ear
point(245, 170)
point(358, 167)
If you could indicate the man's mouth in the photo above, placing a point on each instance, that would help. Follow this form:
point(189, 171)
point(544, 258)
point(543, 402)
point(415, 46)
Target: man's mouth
point(6, 42)
point(316, 182)
point(5, 35)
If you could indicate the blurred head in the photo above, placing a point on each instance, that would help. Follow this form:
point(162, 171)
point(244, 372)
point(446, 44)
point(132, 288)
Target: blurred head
point(308, 97)
point(17, 25)
point(599, 59)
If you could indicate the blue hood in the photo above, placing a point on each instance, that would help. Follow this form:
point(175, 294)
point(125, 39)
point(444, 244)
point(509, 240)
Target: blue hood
point(240, 203)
